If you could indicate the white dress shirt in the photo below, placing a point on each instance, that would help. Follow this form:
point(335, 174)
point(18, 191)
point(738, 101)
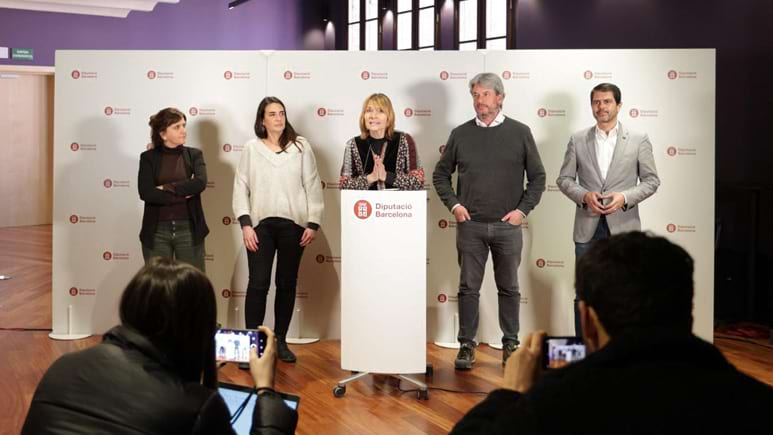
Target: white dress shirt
point(500, 118)
point(605, 148)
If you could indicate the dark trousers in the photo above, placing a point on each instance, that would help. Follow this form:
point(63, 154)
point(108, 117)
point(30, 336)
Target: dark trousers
point(474, 240)
point(283, 237)
point(602, 232)
point(174, 239)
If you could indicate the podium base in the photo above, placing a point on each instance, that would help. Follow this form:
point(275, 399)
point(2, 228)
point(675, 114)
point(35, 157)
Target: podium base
point(68, 337)
point(302, 340)
point(449, 345)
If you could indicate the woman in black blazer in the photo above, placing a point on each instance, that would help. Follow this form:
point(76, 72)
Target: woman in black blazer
point(170, 181)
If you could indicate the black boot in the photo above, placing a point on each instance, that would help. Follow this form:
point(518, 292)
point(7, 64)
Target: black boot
point(283, 352)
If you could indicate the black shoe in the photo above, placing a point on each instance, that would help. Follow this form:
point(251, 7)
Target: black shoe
point(466, 357)
point(283, 352)
point(508, 350)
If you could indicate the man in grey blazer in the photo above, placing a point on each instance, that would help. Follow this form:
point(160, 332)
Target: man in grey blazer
point(607, 171)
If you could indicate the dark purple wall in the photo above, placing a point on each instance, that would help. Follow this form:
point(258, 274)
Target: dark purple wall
point(188, 25)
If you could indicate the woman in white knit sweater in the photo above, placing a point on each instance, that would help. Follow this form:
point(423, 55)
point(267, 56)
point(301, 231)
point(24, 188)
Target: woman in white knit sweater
point(278, 200)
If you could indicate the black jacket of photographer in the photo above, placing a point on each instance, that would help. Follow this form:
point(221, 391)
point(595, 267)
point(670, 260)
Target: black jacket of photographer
point(125, 385)
point(194, 185)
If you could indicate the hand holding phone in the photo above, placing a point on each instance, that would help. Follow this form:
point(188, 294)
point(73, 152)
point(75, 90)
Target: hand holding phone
point(560, 351)
point(235, 344)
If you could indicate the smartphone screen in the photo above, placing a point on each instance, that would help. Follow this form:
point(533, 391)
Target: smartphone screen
point(290, 400)
point(560, 351)
point(235, 344)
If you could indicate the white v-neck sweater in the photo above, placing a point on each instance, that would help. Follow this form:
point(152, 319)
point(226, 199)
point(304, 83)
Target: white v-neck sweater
point(286, 184)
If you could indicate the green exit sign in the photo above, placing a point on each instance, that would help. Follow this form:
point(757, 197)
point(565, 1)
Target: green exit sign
point(22, 53)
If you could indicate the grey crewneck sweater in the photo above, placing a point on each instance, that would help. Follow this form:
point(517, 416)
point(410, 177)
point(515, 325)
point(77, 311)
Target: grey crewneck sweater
point(491, 162)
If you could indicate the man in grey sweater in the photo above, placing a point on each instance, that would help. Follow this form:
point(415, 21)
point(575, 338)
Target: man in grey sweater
point(492, 153)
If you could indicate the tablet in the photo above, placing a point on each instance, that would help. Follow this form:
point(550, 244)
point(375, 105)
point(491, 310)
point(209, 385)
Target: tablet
point(234, 395)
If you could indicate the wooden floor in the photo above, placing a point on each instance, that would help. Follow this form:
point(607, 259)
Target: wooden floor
point(374, 405)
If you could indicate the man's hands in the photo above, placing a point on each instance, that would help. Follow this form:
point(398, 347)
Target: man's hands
point(461, 214)
point(513, 217)
point(594, 202)
point(524, 365)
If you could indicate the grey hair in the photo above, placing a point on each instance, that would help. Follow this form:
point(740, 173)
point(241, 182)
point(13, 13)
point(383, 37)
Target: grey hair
point(490, 81)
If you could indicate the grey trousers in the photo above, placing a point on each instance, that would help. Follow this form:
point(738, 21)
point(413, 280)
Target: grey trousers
point(474, 240)
point(174, 239)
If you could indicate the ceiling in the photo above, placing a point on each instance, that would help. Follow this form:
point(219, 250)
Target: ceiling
point(105, 8)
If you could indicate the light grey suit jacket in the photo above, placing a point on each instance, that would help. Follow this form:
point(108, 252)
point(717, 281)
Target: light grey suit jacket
point(632, 173)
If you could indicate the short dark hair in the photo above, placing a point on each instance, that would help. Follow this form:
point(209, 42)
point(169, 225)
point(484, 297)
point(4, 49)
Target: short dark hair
point(160, 121)
point(289, 136)
point(607, 87)
point(173, 305)
point(637, 280)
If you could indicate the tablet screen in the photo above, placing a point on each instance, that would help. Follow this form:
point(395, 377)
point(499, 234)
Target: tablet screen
point(234, 396)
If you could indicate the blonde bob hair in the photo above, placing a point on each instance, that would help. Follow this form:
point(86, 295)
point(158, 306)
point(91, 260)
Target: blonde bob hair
point(379, 101)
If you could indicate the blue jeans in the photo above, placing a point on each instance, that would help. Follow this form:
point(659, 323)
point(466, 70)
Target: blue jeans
point(474, 240)
point(174, 239)
point(602, 232)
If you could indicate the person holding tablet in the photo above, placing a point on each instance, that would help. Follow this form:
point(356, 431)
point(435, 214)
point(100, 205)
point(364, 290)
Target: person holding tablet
point(155, 372)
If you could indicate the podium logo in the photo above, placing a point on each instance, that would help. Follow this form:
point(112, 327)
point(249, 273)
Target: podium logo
point(634, 113)
point(444, 75)
point(228, 75)
point(541, 263)
point(362, 209)
point(73, 291)
point(226, 293)
point(588, 75)
point(671, 228)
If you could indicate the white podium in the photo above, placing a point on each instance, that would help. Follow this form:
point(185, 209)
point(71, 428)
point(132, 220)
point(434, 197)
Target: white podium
point(383, 285)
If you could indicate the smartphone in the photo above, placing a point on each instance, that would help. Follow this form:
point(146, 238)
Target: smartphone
point(560, 351)
point(290, 400)
point(235, 344)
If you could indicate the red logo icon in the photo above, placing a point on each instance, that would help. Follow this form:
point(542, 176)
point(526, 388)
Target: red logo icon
point(193, 111)
point(441, 148)
point(444, 75)
point(227, 147)
point(542, 112)
point(365, 75)
point(107, 256)
point(442, 224)
point(73, 219)
point(288, 75)
point(73, 291)
point(151, 74)
point(75, 74)
point(671, 228)
point(671, 151)
point(408, 112)
point(228, 75)
point(108, 110)
point(108, 183)
point(362, 209)
point(672, 75)
point(321, 111)
point(74, 146)
point(588, 75)
point(226, 293)
point(507, 75)
point(634, 113)
point(442, 298)
point(541, 263)
point(227, 220)
point(320, 258)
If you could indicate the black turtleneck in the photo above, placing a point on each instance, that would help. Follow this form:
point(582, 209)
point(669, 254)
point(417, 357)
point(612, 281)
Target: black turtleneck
point(172, 170)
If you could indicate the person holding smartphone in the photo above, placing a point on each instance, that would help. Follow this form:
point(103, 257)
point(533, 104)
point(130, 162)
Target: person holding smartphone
point(277, 197)
point(645, 372)
point(155, 372)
